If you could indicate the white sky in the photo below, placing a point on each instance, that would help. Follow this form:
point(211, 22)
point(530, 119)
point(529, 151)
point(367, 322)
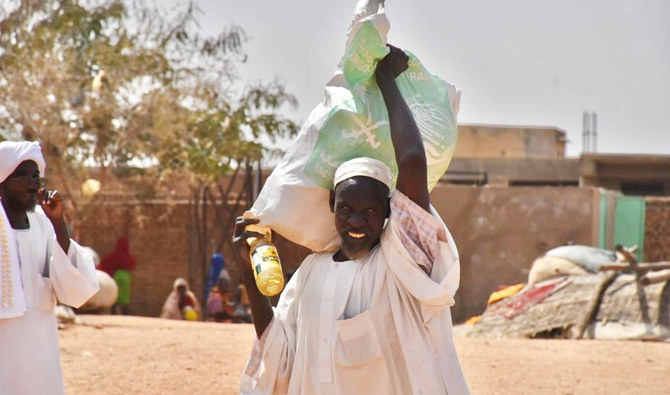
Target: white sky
point(518, 62)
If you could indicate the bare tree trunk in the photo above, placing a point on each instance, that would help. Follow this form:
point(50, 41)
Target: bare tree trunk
point(196, 227)
point(218, 226)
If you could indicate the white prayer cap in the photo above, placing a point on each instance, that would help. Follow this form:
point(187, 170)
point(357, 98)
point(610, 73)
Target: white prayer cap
point(12, 153)
point(366, 167)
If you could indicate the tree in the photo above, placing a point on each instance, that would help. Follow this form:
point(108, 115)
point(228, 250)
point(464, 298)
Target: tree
point(138, 92)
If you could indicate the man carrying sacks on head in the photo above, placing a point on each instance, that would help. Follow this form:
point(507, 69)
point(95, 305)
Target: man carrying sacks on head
point(38, 263)
point(372, 318)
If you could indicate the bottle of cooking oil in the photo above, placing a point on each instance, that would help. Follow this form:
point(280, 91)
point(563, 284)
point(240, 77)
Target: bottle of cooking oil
point(265, 261)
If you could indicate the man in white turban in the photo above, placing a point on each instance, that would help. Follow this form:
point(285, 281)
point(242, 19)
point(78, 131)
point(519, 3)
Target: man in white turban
point(38, 265)
point(373, 317)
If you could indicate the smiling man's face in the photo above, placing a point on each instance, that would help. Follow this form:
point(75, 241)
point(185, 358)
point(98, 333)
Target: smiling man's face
point(360, 205)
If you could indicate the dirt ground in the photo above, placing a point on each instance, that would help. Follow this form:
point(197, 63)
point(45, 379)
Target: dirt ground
point(135, 355)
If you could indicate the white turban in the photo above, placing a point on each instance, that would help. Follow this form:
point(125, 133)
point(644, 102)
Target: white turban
point(366, 167)
point(12, 299)
point(12, 153)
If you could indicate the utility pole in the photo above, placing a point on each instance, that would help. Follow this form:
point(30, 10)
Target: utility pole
point(589, 132)
point(586, 144)
point(594, 131)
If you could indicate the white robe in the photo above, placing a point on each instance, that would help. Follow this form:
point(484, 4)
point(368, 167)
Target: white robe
point(30, 354)
point(380, 325)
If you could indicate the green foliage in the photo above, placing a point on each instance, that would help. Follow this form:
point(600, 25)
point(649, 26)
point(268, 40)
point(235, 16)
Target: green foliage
point(124, 84)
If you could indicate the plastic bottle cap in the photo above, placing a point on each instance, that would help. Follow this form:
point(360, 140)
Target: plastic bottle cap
point(266, 231)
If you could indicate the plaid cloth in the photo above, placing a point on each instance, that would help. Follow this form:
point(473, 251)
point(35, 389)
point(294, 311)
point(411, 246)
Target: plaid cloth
point(419, 231)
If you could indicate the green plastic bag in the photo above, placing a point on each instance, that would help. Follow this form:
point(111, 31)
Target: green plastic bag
point(352, 121)
point(359, 126)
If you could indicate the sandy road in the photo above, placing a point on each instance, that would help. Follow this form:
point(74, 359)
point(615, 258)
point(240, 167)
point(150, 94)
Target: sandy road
point(135, 355)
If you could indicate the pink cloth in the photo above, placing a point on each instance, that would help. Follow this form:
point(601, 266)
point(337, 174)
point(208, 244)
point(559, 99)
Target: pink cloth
point(522, 301)
point(214, 303)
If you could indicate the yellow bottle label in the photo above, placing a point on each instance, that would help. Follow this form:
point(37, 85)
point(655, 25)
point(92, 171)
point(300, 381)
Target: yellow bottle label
point(265, 258)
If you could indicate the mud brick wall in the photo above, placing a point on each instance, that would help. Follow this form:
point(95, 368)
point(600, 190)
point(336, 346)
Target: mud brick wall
point(657, 230)
point(158, 237)
point(164, 242)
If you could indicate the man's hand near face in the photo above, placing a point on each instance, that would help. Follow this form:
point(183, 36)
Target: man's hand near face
point(52, 205)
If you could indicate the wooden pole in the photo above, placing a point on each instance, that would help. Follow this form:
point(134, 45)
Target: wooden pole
point(641, 267)
point(642, 297)
point(656, 277)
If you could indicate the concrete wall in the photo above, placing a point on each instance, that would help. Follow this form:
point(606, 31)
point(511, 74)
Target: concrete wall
point(500, 231)
point(490, 141)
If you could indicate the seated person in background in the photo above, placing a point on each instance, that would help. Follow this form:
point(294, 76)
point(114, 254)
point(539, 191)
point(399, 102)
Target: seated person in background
point(214, 305)
point(118, 264)
point(181, 304)
point(242, 308)
point(219, 308)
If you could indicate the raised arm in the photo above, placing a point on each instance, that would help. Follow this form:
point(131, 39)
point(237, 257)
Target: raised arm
point(409, 152)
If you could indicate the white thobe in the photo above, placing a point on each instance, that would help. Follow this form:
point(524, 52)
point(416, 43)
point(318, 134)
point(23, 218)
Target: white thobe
point(30, 354)
point(379, 325)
